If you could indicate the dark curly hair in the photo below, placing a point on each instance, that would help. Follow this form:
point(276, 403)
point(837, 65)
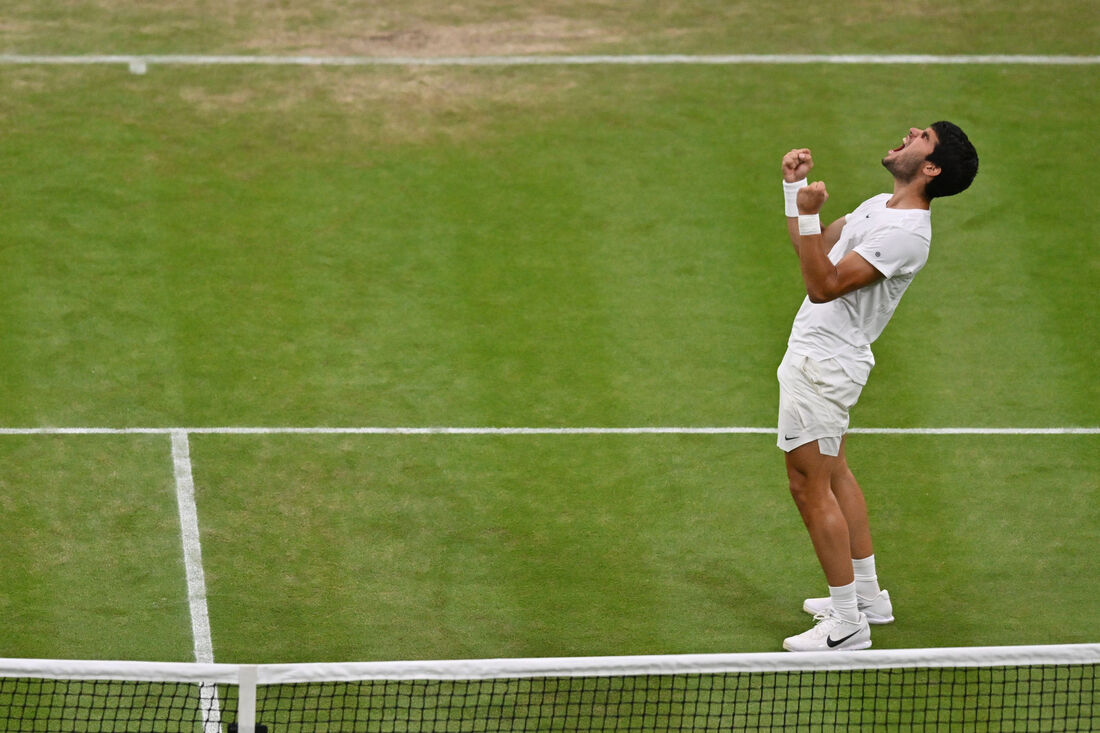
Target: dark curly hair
point(957, 159)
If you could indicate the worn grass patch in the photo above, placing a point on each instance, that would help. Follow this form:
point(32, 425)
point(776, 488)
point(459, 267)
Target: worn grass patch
point(426, 27)
point(375, 106)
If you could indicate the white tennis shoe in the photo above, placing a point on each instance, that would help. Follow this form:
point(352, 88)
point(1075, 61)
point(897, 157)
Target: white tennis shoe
point(831, 633)
point(879, 610)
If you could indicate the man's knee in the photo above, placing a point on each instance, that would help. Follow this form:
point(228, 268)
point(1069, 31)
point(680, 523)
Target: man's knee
point(808, 475)
point(808, 490)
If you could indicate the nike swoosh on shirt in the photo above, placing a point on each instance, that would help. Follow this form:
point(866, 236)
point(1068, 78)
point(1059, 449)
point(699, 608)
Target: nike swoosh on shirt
point(833, 644)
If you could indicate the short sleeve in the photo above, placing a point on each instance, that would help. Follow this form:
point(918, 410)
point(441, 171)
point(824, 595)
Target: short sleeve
point(894, 251)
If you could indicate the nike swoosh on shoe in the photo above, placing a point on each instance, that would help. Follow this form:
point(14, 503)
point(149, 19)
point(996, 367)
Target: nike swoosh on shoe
point(834, 644)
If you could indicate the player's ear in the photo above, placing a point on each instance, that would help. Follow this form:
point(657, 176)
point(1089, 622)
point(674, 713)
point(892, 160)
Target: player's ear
point(930, 169)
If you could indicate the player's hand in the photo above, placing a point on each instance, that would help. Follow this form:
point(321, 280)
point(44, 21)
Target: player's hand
point(797, 164)
point(811, 198)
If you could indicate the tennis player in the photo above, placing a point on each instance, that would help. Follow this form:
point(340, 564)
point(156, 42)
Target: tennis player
point(855, 272)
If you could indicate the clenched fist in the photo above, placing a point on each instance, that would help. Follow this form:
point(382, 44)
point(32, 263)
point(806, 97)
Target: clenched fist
point(797, 164)
point(811, 198)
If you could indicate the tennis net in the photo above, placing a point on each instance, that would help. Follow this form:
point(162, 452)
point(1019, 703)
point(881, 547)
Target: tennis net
point(1047, 688)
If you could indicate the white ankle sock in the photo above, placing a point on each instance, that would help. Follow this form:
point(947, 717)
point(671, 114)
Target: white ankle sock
point(844, 601)
point(866, 579)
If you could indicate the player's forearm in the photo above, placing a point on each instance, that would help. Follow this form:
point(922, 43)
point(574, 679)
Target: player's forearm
point(792, 232)
point(818, 272)
point(791, 185)
point(829, 236)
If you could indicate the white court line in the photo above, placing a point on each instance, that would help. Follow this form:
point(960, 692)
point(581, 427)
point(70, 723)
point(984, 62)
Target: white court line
point(192, 549)
point(139, 63)
point(180, 433)
point(196, 579)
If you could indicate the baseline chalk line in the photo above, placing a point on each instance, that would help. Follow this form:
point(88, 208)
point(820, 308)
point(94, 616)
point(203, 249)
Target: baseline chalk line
point(179, 434)
point(139, 63)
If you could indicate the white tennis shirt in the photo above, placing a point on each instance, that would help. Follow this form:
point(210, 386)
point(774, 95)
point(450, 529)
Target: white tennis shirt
point(895, 242)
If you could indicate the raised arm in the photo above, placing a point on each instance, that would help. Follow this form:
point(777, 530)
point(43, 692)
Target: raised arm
point(796, 167)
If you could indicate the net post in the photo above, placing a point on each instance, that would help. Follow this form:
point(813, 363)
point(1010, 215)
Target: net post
point(246, 698)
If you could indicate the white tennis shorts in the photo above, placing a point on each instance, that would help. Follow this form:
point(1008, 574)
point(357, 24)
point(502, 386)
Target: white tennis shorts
point(814, 400)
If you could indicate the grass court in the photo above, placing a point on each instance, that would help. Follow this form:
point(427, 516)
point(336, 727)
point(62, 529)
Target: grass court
point(205, 247)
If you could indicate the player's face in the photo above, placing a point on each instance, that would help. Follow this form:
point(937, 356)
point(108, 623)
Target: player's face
point(905, 160)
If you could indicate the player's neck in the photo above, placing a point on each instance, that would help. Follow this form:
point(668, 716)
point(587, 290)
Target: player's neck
point(908, 195)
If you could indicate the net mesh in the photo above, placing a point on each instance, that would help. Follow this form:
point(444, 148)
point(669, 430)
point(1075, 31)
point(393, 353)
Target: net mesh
point(103, 706)
point(993, 699)
point(1004, 697)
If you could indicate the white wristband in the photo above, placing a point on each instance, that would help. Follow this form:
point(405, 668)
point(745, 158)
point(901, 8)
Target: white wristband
point(790, 196)
point(809, 224)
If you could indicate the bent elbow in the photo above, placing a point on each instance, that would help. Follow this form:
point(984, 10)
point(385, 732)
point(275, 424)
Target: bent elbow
point(819, 296)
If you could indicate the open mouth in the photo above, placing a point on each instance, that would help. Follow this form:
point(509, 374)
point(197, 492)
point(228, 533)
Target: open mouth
point(904, 142)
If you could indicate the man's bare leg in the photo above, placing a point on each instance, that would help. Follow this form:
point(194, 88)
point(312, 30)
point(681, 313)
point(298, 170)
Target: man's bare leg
point(841, 625)
point(852, 504)
point(810, 474)
point(871, 599)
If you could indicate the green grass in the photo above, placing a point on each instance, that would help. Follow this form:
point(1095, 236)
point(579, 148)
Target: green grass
point(458, 546)
point(92, 559)
point(602, 256)
point(582, 246)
